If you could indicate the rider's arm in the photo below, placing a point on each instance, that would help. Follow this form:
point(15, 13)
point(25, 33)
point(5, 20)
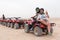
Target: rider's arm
point(33, 16)
point(47, 15)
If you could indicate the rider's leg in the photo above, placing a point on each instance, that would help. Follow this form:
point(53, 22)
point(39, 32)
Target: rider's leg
point(48, 27)
point(46, 23)
point(31, 26)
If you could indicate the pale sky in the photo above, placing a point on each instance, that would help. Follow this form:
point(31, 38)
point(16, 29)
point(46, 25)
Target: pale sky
point(26, 8)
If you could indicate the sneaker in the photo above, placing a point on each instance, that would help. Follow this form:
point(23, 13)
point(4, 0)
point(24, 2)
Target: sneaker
point(49, 34)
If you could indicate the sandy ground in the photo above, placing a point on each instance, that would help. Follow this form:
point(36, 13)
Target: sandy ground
point(19, 34)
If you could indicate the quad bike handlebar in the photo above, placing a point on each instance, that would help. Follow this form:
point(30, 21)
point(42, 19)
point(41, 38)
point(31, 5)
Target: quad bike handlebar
point(34, 18)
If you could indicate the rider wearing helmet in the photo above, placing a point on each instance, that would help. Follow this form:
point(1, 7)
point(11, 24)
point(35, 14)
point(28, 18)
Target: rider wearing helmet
point(37, 12)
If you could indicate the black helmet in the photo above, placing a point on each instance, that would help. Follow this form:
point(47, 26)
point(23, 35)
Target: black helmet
point(37, 9)
point(42, 9)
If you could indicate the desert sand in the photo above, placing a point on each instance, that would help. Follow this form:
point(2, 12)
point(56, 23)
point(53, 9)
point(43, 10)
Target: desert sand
point(19, 34)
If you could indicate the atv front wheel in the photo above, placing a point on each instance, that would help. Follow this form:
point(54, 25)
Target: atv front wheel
point(37, 31)
point(16, 26)
point(26, 28)
point(8, 24)
point(12, 26)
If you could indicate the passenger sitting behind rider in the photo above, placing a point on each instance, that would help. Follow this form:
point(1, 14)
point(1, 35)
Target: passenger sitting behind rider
point(44, 19)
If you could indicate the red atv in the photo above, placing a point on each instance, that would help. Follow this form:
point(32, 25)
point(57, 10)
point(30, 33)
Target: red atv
point(16, 22)
point(8, 22)
point(3, 21)
point(38, 28)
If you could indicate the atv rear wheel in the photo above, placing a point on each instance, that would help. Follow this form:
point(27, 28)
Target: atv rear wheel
point(51, 31)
